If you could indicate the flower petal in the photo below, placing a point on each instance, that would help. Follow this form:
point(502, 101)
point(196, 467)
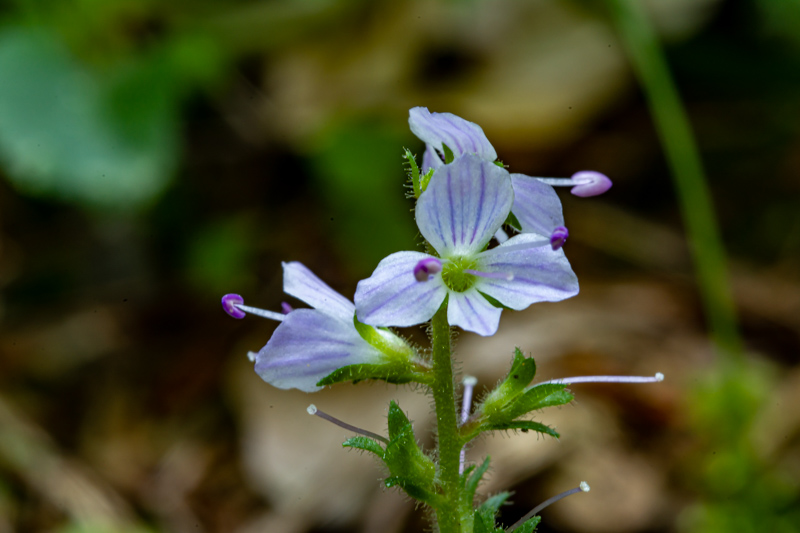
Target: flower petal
point(465, 203)
point(461, 136)
point(303, 284)
point(430, 159)
point(472, 312)
point(307, 346)
point(536, 205)
point(392, 296)
point(541, 274)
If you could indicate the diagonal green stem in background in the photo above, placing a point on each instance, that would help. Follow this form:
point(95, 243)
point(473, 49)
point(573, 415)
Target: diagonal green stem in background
point(676, 136)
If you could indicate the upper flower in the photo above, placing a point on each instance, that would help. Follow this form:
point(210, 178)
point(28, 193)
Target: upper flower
point(536, 205)
point(310, 344)
point(463, 206)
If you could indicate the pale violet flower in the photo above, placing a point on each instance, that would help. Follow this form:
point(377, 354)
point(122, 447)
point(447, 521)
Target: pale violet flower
point(536, 205)
point(463, 206)
point(310, 344)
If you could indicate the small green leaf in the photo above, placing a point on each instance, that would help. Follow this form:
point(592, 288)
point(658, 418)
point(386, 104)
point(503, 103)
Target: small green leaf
point(523, 370)
point(413, 490)
point(474, 479)
point(364, 443)
point(485, 514)
point(539, 397)
point(448, 154)
point(408, 463)
point(525, 426)
point(530, 525)
point(513, 222)
point(392, 346)
point(397, 420)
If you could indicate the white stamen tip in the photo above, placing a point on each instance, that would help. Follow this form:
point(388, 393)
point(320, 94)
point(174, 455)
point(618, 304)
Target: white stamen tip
point(659, 376)
point(470, 381)
point(252, 356)
point(585, 486)
point(312, 409)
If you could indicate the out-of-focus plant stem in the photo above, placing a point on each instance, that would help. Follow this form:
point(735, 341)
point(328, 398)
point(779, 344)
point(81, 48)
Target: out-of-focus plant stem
point(683, 157)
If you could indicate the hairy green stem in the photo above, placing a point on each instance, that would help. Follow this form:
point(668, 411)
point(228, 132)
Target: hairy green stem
point(449, 441)
point(683, 157)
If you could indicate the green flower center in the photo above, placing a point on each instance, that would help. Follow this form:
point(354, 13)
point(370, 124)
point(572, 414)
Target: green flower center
point(454, 276)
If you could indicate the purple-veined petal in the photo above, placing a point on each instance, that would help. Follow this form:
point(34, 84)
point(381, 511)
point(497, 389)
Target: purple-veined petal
point(430, 159)
point(536, 205)
point(307, 346)
point(303, 284)
point(465, 203)
point(540, 274)
point(461, 136)
point(392, 296)
point(472, 312)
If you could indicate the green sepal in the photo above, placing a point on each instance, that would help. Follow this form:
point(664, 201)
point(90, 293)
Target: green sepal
point(392, 346)
point(494, 301)
point(513, 221)
point(364, 443)
point(425, 179)
point(484, 521)
point(539, 397)
point(356, 373)
point(530, 525)
point(448, 154)
point(523, 370)
point(405, 460)
point(413, 171)
point(473, 478)
point(401, 364)
point(524, 426)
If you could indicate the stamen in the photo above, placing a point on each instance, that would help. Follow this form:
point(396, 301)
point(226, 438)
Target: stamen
point(466, 404)
point(312, 410)
point(583, 487)
point(584, 183)
point(501, 236)
point(558, 237)
point(492, 275)
point(427, 268)
point(286, 308)
point(233, 305)
point(229, 303)
point(606, 379)
point(590, 183)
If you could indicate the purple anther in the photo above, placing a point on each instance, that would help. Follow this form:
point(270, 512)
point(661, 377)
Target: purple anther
point(559, 237)
point(590, 183)
point(427, 268)
point(229, 302)
point(286, 308)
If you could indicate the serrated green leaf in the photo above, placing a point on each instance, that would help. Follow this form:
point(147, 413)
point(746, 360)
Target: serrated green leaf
point(485, 514)
point(364, 443)
point(474, 479)
point(448, 154)
point(403, 456)
point(523, 370)
point(493, 503)
point(413, 490)
point(530, 525)
point(525, 426)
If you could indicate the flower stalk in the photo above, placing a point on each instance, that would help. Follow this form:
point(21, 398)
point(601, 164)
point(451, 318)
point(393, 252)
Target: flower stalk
point(449, 442)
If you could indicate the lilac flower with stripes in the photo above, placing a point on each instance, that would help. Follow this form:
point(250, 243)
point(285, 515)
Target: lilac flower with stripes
point(309, 344)
point(463, 206)
point(536, 205)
